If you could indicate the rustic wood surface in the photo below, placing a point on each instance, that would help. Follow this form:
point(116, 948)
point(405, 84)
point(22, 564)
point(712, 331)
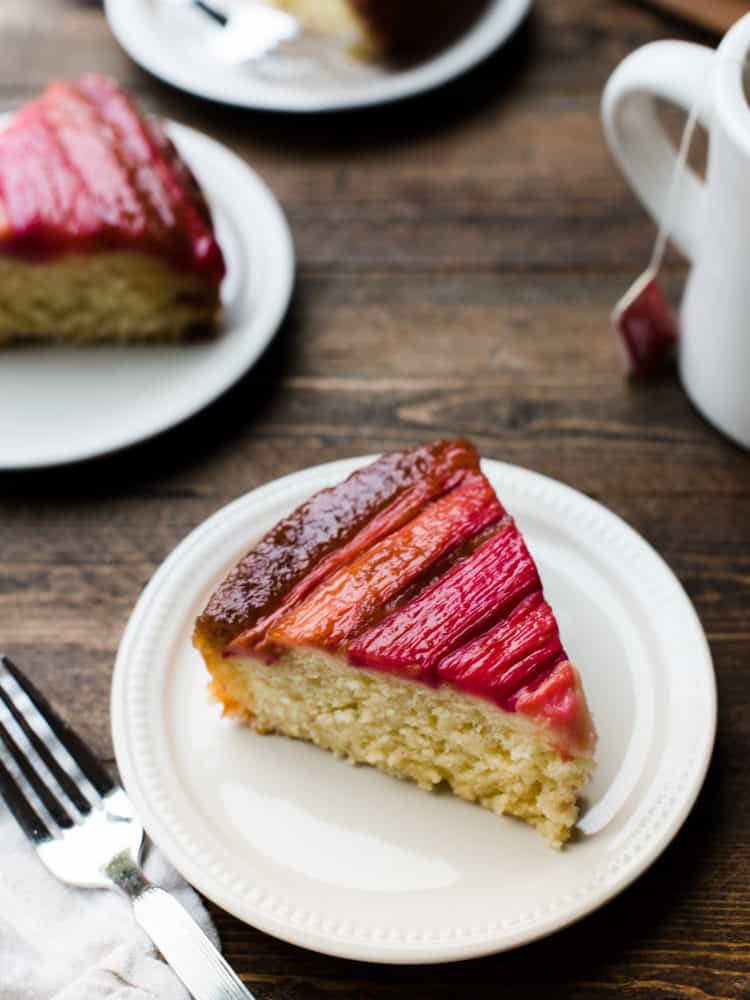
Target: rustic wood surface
point(714, 15)
point(458, 257)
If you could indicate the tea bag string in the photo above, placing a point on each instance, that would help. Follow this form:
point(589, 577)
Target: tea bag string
point(665, 224)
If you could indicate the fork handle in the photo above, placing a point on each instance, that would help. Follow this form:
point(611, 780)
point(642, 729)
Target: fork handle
point(186, 948)
point(182, 943)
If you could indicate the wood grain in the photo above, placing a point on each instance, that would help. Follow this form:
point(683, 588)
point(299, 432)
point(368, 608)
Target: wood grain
point(458, 258)
point(715, 15)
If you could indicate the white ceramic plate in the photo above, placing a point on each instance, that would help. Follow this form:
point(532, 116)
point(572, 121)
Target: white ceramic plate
point(169, 40)
point(64, 404)
point(354, 863)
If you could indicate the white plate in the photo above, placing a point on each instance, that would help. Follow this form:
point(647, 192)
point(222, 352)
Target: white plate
point(63, 404)
point(169, 40)
point(354, 863)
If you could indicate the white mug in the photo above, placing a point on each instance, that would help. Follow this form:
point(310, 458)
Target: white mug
point(710, 220)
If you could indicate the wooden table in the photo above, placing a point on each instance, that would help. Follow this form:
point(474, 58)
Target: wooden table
point(458, 258)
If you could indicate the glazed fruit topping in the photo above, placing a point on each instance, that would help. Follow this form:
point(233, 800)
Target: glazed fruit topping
point(468, 599)
point(81, 169)
point(511, 655)
point(351, 597)
point(325, 533)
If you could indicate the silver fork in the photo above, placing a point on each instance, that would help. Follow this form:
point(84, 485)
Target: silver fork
point(84, 830)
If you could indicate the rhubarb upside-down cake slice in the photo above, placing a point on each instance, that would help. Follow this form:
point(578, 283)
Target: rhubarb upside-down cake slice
point(104, 232)
point(398, 619)
point(386, 29)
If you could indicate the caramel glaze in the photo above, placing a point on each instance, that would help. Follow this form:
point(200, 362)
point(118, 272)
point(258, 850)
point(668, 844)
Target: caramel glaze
point(348, 600)
point(325, 533)
point(403, 30)
point(81, 170)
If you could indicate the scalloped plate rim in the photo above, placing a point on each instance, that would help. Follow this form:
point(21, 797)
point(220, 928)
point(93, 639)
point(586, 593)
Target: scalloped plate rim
point(378, 948)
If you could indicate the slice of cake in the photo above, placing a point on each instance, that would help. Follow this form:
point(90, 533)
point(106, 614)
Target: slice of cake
point(398, 619)
point(104, 233)
point(385, 28)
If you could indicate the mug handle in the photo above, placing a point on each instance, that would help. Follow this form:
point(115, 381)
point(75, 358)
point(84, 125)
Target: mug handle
point(678, 72)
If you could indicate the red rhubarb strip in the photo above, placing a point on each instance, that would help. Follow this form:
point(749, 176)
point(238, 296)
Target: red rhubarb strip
point(559, 705)
point(164, 182)
point(399, 512)
point(46, 205)
point(350, 598)
point(466, 600)
point(87, 147)
point(81, 169)
point(326, 532)
point(518, 650)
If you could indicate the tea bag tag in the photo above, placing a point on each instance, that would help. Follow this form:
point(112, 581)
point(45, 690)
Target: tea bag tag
point(646, 327)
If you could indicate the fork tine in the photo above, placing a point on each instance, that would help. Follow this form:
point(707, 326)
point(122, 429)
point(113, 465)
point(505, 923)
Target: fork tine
point(60, 733)
point(26, 816)
point(67, 784)
point(49, 800)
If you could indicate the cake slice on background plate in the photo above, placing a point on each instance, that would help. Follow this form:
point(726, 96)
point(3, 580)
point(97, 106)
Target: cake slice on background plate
point(385, 29)
point(398, 619)
point(104, 232)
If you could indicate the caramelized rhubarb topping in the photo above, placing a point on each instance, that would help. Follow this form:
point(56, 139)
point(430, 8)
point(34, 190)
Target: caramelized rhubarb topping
point(163, 179)
point(325, 533)
point(412, 567)
point(468, 599)
point(349, 599)
point(80, 170)
point(559, 704)
point(520, 650)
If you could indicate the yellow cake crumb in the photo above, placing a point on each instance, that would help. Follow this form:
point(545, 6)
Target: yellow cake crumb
point(407, 729)
point(108, 296)
point(335, 17)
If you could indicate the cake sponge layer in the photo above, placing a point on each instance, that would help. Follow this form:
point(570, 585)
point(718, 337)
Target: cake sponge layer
point(410, 730)
point(335, 17)
point(107, 296)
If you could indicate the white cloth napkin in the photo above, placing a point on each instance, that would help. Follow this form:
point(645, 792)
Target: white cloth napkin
point(61, 943)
